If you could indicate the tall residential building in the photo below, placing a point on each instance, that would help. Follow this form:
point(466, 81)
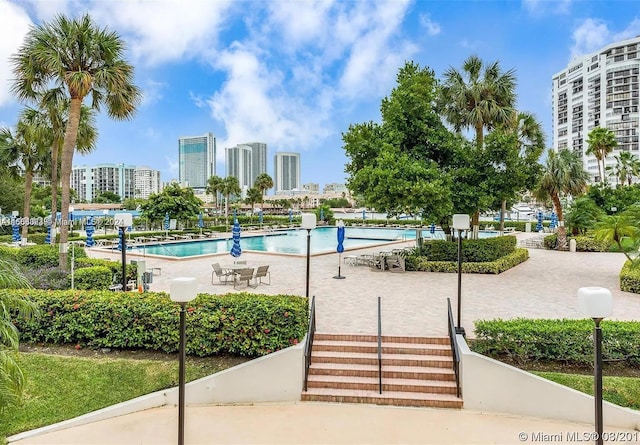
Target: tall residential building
point(238, 164)
point(311, 187)
point(146, 182)
point(598, 89)
point(286, 168)
point(90, 182)
point(258, 159)
point(196, 160)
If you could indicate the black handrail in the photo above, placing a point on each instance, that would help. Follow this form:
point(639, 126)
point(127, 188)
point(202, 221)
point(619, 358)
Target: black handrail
point(309, 344)
point(379, 346)
point(454, 347)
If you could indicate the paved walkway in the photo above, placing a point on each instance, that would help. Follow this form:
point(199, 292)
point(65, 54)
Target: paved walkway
point(413, 303)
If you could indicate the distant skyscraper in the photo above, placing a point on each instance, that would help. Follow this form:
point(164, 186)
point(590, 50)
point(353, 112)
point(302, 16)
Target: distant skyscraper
point(258, 159)
point(286, 171)
point(238, 164)
point(147, 182)
point(197, 160)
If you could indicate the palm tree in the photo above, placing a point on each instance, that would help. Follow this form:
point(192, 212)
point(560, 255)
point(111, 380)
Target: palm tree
point(626, 167)
point(12, 380)
point(77, 57)
point(263, 182)
point(214, 186)
point(27, 149)
point(254, 195)
point(563, 176)
point(616, 228)
point(230, 186)
point(601, 142)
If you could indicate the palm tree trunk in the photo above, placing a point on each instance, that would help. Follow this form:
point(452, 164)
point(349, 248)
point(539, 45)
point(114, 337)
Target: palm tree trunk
point(54, 189)
point(479, 135)
point(70, 138)
point(26, 210)
point(600, 170)
point(226, 209)
point(562, 233)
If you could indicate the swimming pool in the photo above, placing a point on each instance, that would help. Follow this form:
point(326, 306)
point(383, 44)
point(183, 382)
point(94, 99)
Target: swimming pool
point(323, 240)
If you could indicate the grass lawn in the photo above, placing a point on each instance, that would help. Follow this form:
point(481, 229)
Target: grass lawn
point(623, 391)
point(62, 387)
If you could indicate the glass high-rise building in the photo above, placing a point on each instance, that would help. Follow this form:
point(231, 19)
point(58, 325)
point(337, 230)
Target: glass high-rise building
point(286, 171)
point(196, 160)
point(238, 162)
point(258, 159)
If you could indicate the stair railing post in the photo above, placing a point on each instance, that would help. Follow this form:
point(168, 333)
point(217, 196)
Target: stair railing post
point(379, 345)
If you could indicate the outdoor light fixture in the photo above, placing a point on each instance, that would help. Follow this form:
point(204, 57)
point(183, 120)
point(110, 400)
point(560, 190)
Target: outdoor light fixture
point(122, 221)
point(182, 290)
point(308, 223)
point(460, 223)
point(597, 303)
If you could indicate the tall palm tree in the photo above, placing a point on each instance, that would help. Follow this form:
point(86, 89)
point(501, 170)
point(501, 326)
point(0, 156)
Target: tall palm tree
point(626, 167)
point(83, 60)
point(230, 186)
point(601, 141)
point(564, 175)
point(214, 186)
point(263, 182)
point(27, 149)
point(616, 228)
point(12, 380)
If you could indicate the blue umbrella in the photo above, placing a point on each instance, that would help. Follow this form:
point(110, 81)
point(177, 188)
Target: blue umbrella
point(432, 229)
point(200, 220)
point(340, 247)
point(539, 225)
point(90, 228)
point(554, 220)
point(364, 214)
point(47, 239)
point(167, 221)
point(290, 215)
point(236, 251)
point(15, 235)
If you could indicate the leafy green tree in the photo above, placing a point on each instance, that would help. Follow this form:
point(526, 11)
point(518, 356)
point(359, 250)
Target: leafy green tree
point(12, 379)
point(263, 182)
point(601, 141)
point(229, 186)
point(214, 186)
point(583, 214)
point(133, 203)
point(180, 203)
point(337, 202)
point(79, 58)
point(107, 197)
point(563, 176)
point(614, 200)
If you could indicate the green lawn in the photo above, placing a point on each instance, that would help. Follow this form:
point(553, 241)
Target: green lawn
point(61, 387)
point(623, 391)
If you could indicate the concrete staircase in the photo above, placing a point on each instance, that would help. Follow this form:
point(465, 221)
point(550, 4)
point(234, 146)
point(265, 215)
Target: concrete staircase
point(534, 242)
point(416, 371)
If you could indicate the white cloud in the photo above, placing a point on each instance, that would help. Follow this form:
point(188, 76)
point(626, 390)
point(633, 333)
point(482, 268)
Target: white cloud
point(592, 34)
point(48, 9)
point(541, 7)
point(14, 25)
point(433, 28)
point(172, 165)
point(152, 92)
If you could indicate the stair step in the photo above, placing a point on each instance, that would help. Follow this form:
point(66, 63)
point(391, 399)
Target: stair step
point(371, 358)
point(385, 338)
point(400, 372)
point(397, 398)
point(387, 347)
point(388, 384)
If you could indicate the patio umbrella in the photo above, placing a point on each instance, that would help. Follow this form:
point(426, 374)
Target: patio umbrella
point(47, 239)
point(432, 229)
point(15, 234)
point(200, 222)
point(236, 251)
point(90, 229)
point(340, 247)
point(167, 221)
point(554, 220)
point(539, 225)
point(260, 217)
point(290, 216)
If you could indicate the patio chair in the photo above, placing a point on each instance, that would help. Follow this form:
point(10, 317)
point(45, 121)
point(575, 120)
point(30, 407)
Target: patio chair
point(395, 263)
point(223, 275)
point(243, 275)
point(262, 272)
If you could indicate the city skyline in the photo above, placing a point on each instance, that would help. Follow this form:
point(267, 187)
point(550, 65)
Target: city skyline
point(295, 75)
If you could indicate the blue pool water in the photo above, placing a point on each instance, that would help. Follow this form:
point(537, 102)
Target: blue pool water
point(323, 240)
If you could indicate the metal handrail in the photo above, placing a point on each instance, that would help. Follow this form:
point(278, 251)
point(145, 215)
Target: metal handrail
point(379, 346)
point(309, 344)
point(454, 347)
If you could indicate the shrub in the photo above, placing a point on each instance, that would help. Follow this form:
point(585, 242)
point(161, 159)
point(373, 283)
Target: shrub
point(588, 244)
point(114, 266)
point(244, 324)
point(630, 278)
point(52, 278)
point(489, 267)
point(95, 278)
point(43, 255)
point(566, 341)
point(473, 251)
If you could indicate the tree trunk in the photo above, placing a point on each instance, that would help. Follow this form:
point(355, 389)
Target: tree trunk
point(479, 135)
point(503, 211)
point(562, 233)
point(54, 189)
point(475, 224)
point(226, 209)
point(26, 210)
point(600, 170)
point(70, 138)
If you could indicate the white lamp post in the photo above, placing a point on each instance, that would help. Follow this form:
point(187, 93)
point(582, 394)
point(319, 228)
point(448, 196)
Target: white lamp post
point(460, 222)
point(122, 221)
point(308, 223)
point(597, 303)
point(182, 290)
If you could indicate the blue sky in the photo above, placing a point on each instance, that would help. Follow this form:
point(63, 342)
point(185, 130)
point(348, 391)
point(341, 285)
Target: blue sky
point(295, 74)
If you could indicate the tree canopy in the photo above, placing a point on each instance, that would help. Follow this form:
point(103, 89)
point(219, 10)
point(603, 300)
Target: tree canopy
point(180, 203)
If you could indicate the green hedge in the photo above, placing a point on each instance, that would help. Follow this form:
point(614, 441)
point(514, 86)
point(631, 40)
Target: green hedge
point(115, 268)
point(566, 341)
point(583, 243)
point(39, 255)
point(630, 278)
point(489, 267)
point(473, 251)
point(93, 278)
point(242, 324)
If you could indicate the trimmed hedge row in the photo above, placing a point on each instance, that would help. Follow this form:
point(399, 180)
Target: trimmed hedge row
point(630, 278)
point(43, 255)
point(489, 267)
point(473, 251)
point(243, 324)
point(583, 243)
point(114, 270)
point(566, 341)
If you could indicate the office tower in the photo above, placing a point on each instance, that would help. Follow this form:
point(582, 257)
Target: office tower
point(238, 164)
point(196, 160)
point(286, 171)
point(91, 182)
point(598, 89)
point(258, 159)
point(147, 182)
